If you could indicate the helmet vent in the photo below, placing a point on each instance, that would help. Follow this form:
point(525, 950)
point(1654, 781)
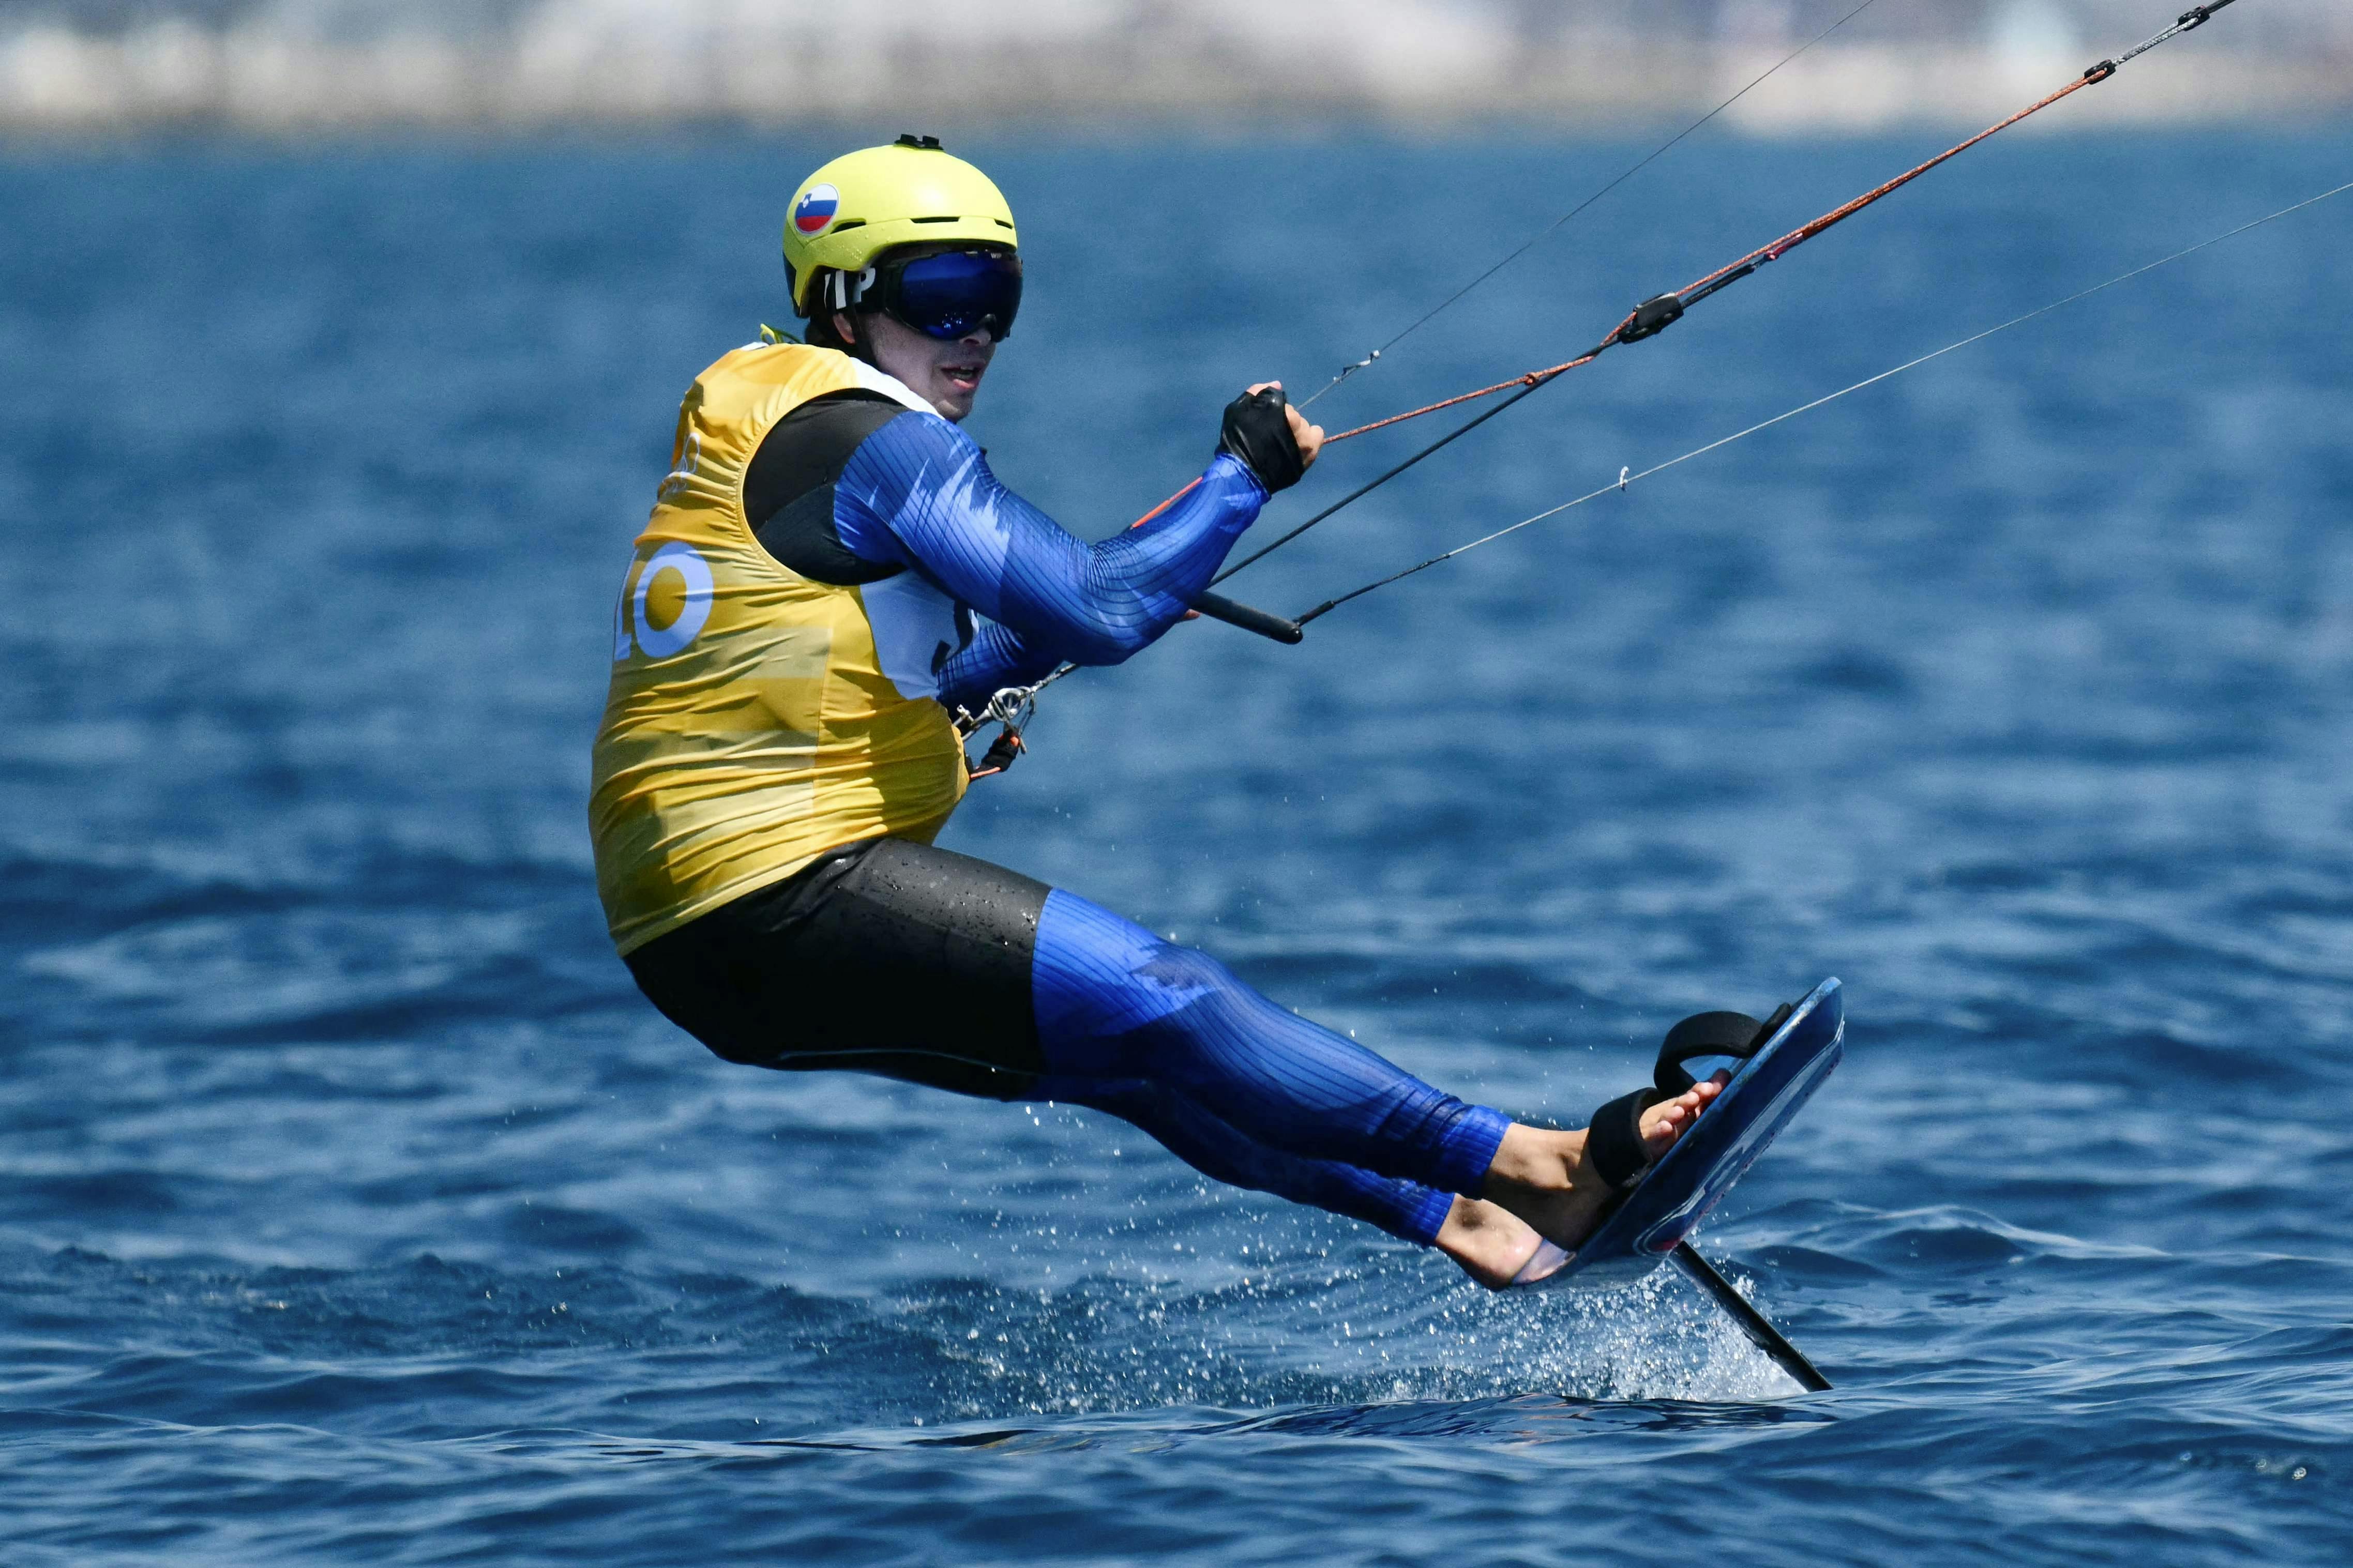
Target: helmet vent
point(909, 138)
point(848, 224)
point(950, 218)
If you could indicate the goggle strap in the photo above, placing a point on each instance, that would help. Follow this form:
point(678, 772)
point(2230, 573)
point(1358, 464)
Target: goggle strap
point(842, 296)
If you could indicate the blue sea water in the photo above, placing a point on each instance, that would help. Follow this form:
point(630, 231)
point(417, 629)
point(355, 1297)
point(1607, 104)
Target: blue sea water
point(353, 1208)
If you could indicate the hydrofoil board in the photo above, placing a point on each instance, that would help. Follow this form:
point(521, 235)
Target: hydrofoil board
point(1768, 1089)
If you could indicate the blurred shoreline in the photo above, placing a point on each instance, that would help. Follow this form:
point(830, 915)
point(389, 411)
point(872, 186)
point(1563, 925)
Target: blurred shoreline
point(78, 68)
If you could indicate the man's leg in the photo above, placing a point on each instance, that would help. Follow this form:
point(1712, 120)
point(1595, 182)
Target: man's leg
point(1116, 1007)
point(1216, 1149)
point(896, 958)
point(1140, 1026)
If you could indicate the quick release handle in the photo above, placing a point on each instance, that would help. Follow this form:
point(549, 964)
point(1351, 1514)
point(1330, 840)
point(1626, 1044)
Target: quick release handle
point(1218, 608)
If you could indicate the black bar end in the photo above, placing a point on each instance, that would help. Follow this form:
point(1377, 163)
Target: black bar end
point(1218, 608)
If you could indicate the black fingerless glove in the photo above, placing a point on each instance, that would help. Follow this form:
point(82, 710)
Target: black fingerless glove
point(1258, 431)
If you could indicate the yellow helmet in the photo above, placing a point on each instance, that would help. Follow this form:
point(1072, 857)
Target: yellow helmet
point(867, 202)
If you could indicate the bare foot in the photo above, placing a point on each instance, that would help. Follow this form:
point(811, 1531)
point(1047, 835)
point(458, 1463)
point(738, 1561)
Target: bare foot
point(1490, 1242)
point(1541, 1188)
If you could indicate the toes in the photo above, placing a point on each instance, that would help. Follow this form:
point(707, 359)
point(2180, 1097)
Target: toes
point(1671, 1118)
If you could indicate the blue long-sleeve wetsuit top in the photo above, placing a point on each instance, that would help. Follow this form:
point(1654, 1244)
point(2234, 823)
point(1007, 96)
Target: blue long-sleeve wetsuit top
point(916, 493)
point(919, 493)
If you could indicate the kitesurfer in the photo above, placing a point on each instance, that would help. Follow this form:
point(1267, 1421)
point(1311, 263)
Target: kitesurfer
point(829, 573)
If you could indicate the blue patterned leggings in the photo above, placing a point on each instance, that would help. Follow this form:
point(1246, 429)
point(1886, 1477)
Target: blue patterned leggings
point(897, 958)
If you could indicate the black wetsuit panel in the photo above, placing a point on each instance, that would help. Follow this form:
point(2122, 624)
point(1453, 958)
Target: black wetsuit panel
point(883, 957)
point(788, 488)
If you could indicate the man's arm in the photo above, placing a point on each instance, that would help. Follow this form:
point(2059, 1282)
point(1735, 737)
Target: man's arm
point(919, 493)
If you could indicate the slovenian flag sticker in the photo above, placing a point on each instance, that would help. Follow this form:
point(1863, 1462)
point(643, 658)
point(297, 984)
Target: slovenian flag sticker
point(814, 212)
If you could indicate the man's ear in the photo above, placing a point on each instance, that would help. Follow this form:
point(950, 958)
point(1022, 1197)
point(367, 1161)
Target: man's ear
point(846, 329)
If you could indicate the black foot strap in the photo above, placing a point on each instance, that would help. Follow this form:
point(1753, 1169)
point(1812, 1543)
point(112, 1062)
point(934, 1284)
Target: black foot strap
point(1712, 1035)
point(1613, 1141)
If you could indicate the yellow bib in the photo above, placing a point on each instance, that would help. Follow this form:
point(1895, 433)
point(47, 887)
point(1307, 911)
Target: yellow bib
point(754, 721)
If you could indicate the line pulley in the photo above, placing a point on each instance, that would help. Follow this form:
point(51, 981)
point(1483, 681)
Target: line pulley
point(1661, 150)
point(1647, 320)
point(1011, 707)
point(1626, 476)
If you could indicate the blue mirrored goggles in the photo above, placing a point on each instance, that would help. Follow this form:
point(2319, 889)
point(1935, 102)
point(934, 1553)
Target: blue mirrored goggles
point(950, 294)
